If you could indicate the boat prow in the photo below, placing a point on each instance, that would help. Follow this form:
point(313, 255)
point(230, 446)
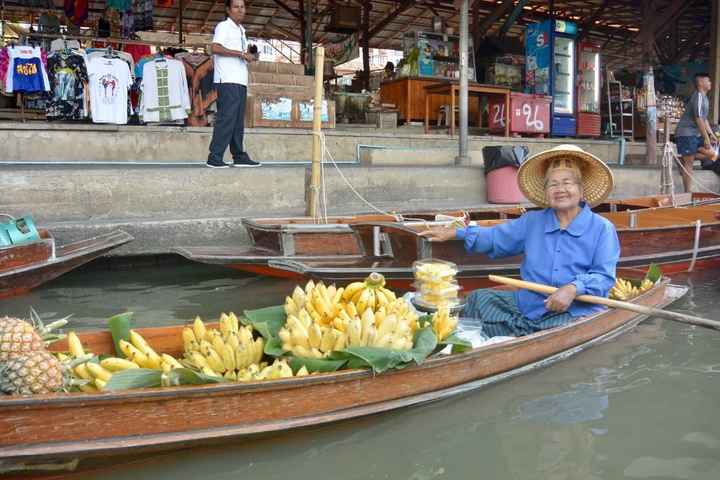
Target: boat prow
point(28, 265)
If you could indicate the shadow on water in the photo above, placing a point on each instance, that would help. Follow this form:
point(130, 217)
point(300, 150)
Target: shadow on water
point(641, 406)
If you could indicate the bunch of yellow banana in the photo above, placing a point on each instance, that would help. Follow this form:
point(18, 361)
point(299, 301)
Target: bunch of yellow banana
point(443, 324)
point(279, 369)
point(222, 352)
point(323, 319)
point(138, 353)
point(624, 290)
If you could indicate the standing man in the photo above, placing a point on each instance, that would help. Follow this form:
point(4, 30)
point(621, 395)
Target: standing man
point(230, 57)
point(693, 135)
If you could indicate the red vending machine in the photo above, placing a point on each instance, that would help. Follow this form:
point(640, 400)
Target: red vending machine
point(588, 90)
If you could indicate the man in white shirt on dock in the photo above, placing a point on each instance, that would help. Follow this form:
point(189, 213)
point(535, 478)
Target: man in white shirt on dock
point(230, 57)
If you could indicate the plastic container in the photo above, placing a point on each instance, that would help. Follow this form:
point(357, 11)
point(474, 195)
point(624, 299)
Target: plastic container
point(501, 186)
point(432, 270)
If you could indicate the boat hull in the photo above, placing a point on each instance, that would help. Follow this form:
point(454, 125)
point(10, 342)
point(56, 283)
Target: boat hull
point(64, 427)
point(25, 267)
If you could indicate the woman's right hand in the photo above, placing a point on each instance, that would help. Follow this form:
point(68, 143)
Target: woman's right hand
point(439, 234)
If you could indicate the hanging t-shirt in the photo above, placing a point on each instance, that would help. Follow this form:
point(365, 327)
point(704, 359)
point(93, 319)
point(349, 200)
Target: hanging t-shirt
point(26, 71)
point(165, 95)
point(67, 75)
point(109, 80)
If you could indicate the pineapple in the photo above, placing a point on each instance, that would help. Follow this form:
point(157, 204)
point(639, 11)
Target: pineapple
point(32, 373)
point(18, 337)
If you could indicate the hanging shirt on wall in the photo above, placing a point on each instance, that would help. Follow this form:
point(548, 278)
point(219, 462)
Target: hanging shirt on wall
point(109, 80)
point(67, 75)
point(26, 72)
point(165, 95)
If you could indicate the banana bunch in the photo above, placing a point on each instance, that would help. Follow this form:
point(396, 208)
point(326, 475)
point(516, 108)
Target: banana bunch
point(279, 369)
point(223, 352)
point(443, 324)
point(324, 319)
point(138, 353)
point(624, 290)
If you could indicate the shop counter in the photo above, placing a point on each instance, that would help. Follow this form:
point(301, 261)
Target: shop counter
point(452, 89)
point(408, 95)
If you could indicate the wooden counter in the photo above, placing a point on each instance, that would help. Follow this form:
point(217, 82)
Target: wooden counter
point(408, 94)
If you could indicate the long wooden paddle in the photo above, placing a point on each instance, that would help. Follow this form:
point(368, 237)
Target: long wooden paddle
point(678, 317)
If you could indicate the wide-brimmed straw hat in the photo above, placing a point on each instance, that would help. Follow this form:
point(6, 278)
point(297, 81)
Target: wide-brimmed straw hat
point(597, 178)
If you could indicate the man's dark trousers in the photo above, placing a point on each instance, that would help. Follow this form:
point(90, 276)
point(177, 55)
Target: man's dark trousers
point(229, 121)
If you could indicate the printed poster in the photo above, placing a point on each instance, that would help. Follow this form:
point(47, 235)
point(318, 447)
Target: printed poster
point(306, 111)
point(276, 108)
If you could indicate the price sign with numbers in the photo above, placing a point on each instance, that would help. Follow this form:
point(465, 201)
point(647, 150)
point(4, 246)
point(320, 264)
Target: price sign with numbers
point(528, 114)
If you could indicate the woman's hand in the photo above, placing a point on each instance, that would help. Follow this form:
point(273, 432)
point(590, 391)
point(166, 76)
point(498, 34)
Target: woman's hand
point(439, 234)
point(560, 300)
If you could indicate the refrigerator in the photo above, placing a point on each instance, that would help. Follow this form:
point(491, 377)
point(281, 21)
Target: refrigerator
point(551, 70)
point(588, 90)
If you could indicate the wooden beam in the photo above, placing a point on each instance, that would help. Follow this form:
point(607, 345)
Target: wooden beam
point(484, 27)
point(517, 12)
point(367, 6)
point(658, 22)
point(285, 7)
point(378, 27)
point(588, 24)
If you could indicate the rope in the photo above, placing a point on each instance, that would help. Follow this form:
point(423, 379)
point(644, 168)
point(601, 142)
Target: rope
point(692, 177)
point(324, 150)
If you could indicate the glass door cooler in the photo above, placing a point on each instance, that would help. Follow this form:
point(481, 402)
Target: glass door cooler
point(550, 50)
point(588, 90)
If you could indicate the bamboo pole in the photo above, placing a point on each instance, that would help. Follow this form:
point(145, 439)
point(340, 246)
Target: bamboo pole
point(633, 307)
point(311, 209)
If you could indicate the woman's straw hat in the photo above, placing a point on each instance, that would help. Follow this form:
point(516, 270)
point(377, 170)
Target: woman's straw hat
point(597, 178)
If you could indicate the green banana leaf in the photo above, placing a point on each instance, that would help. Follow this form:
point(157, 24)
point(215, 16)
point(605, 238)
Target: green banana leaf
point(134, 378)
point(267, 321)
point(273, 347)
point(654, 273)
point(382, 359)
point(119, 326)
point(315, 364)
point(148, 378)
point(459, 345)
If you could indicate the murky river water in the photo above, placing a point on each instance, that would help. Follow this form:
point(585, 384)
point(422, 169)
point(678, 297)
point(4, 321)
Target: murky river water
point(643, 406)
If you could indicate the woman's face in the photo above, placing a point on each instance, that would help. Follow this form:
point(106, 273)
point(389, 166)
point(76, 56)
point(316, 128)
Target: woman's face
point(563, 191)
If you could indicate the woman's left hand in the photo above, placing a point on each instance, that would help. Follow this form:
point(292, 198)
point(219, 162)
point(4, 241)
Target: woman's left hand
point(560, 300)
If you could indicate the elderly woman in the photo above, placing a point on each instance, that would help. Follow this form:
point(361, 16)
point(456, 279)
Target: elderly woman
point(565, 245)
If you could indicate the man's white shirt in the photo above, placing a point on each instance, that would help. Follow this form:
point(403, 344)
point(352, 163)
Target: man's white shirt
point(230, 69)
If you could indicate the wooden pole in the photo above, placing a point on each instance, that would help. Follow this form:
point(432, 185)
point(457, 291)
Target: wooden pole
point(651, 115)
point(633, 307)
point(366, 44)
point(464, 45)
point(314, 188)
point(715, 61)
point(180, 22)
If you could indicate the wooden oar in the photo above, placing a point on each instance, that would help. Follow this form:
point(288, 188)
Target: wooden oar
point(678, 317)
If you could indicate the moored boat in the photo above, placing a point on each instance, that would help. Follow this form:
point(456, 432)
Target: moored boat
point(63, 427)
point(28, 265)
point(650, 229)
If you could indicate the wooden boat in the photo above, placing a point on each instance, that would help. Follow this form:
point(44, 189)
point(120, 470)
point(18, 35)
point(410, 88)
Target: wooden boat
point(28, 265)
point(348, 248)
point(62, 427)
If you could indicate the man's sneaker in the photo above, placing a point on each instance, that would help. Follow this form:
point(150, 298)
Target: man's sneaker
point(246, 162)
point(217, 164)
